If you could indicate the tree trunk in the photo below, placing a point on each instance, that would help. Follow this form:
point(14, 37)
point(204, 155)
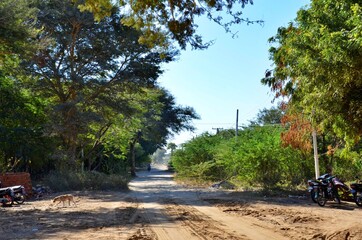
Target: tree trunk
point(132, 158)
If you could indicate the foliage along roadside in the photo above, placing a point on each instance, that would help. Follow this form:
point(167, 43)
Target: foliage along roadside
point(317, 68)
point(256, 158)
point(87, 180)
point(88, 99)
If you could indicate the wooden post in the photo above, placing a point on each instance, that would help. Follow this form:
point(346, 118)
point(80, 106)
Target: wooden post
point(316, 161)
point(237, 123)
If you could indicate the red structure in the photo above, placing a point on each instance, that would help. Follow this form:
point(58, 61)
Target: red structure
point(13, 179)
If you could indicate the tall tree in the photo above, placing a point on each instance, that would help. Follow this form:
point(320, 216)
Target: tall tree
point(317, 65)
point(23, 147)
point(162, 119)
point(86, 61)
point(172, 119)
point(21, 120)
point(172, 146)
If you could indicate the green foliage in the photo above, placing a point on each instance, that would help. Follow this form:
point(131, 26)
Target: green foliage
point(102, 83)
point(347, 164)
point(85, 99)
point(255, 158)
point(22, 143)
point(17, 30)
point(165, 21)
point(317, 65)
point(258, 158)
point(99, 8)
point(170, 118)
point(196, 158)
point(269, 116)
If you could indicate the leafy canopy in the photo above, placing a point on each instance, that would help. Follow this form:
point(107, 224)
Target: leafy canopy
point(317, 62)
point(17, 30)
point(101, 86)
point(165, 20)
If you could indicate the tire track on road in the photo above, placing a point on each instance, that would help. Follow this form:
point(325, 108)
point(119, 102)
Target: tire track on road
point(177, 213)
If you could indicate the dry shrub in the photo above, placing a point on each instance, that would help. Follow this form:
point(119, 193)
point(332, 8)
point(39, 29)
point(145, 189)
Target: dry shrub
point(76, 181)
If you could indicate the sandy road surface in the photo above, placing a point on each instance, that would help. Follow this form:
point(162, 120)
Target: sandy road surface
point(157, 208)
point(174, 212)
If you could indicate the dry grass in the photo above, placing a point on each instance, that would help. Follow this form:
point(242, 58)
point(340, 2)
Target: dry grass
point(71, 181)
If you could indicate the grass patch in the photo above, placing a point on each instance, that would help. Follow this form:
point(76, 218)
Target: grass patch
point(244, 187)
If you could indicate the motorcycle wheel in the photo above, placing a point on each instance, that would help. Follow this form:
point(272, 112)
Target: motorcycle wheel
point(358, 199)
point(336, 198)
point(321, 198)
point(313, 195)
point(19, 198)
point(10, 201)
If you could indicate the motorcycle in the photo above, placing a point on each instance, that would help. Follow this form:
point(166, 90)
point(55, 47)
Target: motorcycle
point(329, 190)
point(6, 197)
point(19, 193)
point(356, 190)
point(314, 185)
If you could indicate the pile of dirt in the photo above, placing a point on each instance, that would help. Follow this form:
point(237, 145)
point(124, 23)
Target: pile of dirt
point(296, 219)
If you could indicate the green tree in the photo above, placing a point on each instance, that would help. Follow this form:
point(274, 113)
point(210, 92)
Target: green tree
point(317, 61)
point(195, 160)
point(17, 28)
point(266, 116)
point(162, 119)
point(23, 147)
point(84, 70)
point(172, 146)
point(172, 118)
point(256, 159)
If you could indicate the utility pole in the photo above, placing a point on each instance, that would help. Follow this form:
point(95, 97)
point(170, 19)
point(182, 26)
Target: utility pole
point(237, 123)
point(315, 148)
point(316, 161)
point(217, 130)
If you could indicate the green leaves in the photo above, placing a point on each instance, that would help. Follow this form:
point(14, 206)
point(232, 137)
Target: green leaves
point(163, 22)
point(21, 120)
point(317, 61)
point(255, 158)
point(17, 28)
point(92, 88)
point(99, 8)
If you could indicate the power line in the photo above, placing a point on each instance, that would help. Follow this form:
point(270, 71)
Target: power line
point(215, 123)
point(217, 130)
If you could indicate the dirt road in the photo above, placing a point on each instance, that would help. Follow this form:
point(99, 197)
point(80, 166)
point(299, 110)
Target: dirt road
point(157, 208)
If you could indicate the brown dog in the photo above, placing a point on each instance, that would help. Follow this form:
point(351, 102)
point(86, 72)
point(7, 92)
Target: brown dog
point(64, 198)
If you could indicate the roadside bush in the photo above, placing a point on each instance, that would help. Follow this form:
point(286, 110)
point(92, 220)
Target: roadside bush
point(196, 159)
point(347, 165)
point(255, 158)
point(66, 181)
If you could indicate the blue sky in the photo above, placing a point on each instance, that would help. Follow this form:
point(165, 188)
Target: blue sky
point(226, 77)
